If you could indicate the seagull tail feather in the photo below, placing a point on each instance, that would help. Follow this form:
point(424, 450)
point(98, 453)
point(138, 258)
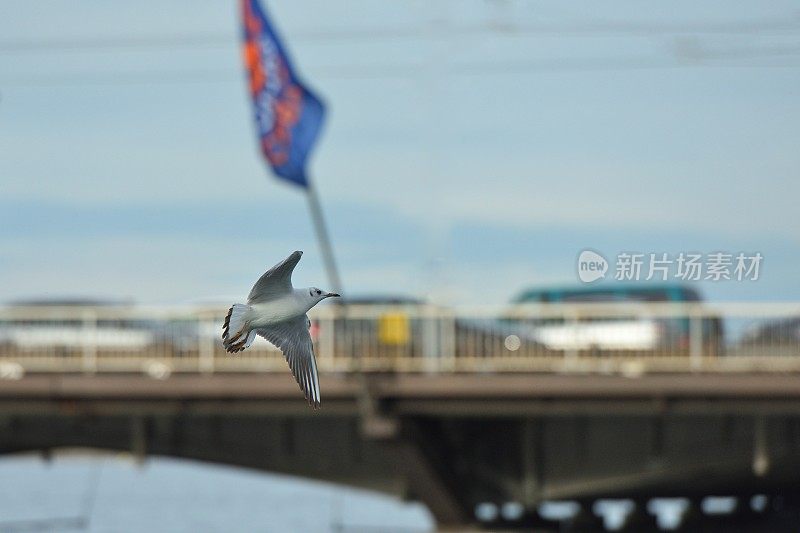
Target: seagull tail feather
point(235, 334)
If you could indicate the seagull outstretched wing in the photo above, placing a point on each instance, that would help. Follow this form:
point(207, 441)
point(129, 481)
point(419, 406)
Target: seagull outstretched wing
point(276, 282)
point(293, 339)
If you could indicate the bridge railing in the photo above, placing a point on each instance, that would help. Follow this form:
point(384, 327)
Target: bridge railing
point(628, 338)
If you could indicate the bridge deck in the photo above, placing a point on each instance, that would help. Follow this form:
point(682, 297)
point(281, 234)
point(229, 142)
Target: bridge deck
point(428, 393)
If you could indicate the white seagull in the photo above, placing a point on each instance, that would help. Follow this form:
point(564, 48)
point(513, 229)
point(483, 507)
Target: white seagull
point(277, 311)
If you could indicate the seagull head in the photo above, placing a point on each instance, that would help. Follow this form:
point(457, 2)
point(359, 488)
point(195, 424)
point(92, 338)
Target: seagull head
point(319, 295)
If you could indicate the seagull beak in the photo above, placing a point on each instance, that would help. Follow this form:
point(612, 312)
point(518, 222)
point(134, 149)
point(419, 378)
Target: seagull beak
point(332, 294)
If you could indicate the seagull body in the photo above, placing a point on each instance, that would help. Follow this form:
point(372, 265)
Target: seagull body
point(292, 305)
point(277, 311)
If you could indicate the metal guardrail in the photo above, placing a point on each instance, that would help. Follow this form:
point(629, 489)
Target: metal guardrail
point(607, 338)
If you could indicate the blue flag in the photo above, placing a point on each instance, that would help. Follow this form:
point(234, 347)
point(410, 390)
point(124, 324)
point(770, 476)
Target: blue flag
point(288, 115)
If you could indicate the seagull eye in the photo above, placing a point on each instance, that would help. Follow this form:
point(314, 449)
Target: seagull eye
point(319, 291)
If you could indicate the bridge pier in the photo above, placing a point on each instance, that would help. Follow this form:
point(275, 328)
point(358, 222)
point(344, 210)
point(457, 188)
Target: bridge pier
point(585, 520)
point(416, 461)
point(639, 519)
point(139, 438)
point(425, 482)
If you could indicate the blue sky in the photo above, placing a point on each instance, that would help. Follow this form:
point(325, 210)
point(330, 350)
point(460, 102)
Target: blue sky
point(472, 148)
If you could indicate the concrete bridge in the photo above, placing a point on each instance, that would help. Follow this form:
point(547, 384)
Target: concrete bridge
point(470, 432)
point(453, 442)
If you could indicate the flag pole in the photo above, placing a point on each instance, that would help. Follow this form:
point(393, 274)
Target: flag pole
point(324, 240)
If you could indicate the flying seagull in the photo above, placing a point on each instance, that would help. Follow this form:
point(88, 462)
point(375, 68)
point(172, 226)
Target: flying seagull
point(277, 311)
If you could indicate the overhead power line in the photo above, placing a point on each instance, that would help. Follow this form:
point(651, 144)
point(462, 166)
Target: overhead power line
point(734, 58)
point(433, 31)
point(115, 43)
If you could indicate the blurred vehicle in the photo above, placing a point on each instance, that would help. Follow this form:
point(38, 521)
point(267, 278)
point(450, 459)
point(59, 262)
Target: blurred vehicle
point(381, 325)
point(391, 325)
point(643, 332)
point(64, 326)
point(474, 336)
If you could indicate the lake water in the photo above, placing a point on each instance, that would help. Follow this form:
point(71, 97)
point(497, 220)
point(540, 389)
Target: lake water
point(115, 494)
